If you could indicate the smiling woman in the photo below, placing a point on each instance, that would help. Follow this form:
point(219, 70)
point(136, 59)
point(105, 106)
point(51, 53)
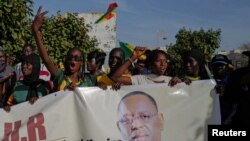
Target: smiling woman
point(31, 87)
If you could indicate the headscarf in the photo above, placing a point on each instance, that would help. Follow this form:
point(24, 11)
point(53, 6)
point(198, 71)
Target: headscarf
point(33, 79)
point(197, 55)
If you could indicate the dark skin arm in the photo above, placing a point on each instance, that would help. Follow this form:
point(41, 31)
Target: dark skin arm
point(175, 80)
point(116, 86)
point(101, 85)
point(7, 108)
point(117, 76)
point(220, 89)
point(7, 76)
point(33, 100)
point(37, 23)
point(187, 81)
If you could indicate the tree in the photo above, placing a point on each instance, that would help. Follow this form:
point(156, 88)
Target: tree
point(59, 32)
point(63, 32)
point(206, 41)
point(14, 23)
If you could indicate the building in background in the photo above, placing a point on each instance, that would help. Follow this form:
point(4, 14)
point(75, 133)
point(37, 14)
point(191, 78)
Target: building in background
point(104, 32)
point(162, 48)
point(236, 57)
point(223, 52)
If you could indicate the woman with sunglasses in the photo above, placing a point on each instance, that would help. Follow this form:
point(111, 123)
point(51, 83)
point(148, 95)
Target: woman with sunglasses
point(73, 76)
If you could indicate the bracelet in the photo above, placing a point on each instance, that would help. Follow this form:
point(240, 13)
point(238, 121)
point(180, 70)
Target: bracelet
point(133, 64)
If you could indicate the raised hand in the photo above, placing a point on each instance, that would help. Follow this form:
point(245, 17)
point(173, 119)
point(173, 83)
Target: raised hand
point(138, 51)
point(38, 20)
point(36, 25)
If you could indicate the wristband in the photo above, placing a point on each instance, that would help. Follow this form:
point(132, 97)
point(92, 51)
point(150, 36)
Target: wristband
point(132, 62)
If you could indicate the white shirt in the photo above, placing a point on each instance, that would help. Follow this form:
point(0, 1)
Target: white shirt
point(149, 79)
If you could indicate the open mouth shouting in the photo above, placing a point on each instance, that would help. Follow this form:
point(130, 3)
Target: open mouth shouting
point(73, 66)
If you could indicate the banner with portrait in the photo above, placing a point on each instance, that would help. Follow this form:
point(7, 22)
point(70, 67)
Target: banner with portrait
point(93, 114)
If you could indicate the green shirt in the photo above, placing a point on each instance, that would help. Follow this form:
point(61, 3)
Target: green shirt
point(21, 91)
point(61, 81)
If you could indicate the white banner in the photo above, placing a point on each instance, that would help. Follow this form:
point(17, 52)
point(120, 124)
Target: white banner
point(93, 114)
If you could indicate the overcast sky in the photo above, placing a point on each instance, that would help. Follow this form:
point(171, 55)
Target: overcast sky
point(141, 22)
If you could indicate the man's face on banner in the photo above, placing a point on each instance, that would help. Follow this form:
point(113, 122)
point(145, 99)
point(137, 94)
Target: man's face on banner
point(139, 119)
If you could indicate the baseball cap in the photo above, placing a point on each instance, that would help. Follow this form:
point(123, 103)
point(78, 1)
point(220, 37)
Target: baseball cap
point(220, 59)
point(247, 53)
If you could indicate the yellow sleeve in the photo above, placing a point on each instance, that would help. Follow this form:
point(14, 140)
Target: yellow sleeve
point(105, 80)
point(10, 100)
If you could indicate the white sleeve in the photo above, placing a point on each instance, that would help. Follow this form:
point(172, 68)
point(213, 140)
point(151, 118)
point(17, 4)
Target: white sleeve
point(138, 79)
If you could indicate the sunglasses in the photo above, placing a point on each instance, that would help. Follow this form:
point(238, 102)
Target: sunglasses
point(74, 58)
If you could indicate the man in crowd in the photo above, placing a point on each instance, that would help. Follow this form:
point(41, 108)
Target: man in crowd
point(139, 118)
point(7, 78)
point(221, 71)
point(238, 92)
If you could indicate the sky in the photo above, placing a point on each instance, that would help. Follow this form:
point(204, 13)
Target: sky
point(145, 22)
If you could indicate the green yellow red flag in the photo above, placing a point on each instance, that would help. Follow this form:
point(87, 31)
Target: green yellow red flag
point(109, 14)
point(127, 48)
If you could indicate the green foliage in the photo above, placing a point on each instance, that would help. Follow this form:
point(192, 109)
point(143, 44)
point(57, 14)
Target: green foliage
point(206, 41)
point(59, 32)
point(14, 23)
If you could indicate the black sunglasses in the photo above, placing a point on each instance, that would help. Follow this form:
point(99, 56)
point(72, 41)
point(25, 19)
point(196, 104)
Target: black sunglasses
point(74, 58)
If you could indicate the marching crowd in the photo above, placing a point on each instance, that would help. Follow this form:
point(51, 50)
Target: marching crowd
point(232, 85)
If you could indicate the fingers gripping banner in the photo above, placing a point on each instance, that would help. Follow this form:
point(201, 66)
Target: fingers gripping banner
point(147, 112)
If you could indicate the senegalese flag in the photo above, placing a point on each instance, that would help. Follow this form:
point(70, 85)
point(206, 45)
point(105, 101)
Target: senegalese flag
point(109, 14)
point(127, 48)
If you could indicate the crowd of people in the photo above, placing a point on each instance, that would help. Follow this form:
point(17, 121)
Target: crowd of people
point(232, 85)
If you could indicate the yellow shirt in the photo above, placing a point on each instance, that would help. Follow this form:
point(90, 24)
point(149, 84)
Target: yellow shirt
point(107, 81)
point(193, 78)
